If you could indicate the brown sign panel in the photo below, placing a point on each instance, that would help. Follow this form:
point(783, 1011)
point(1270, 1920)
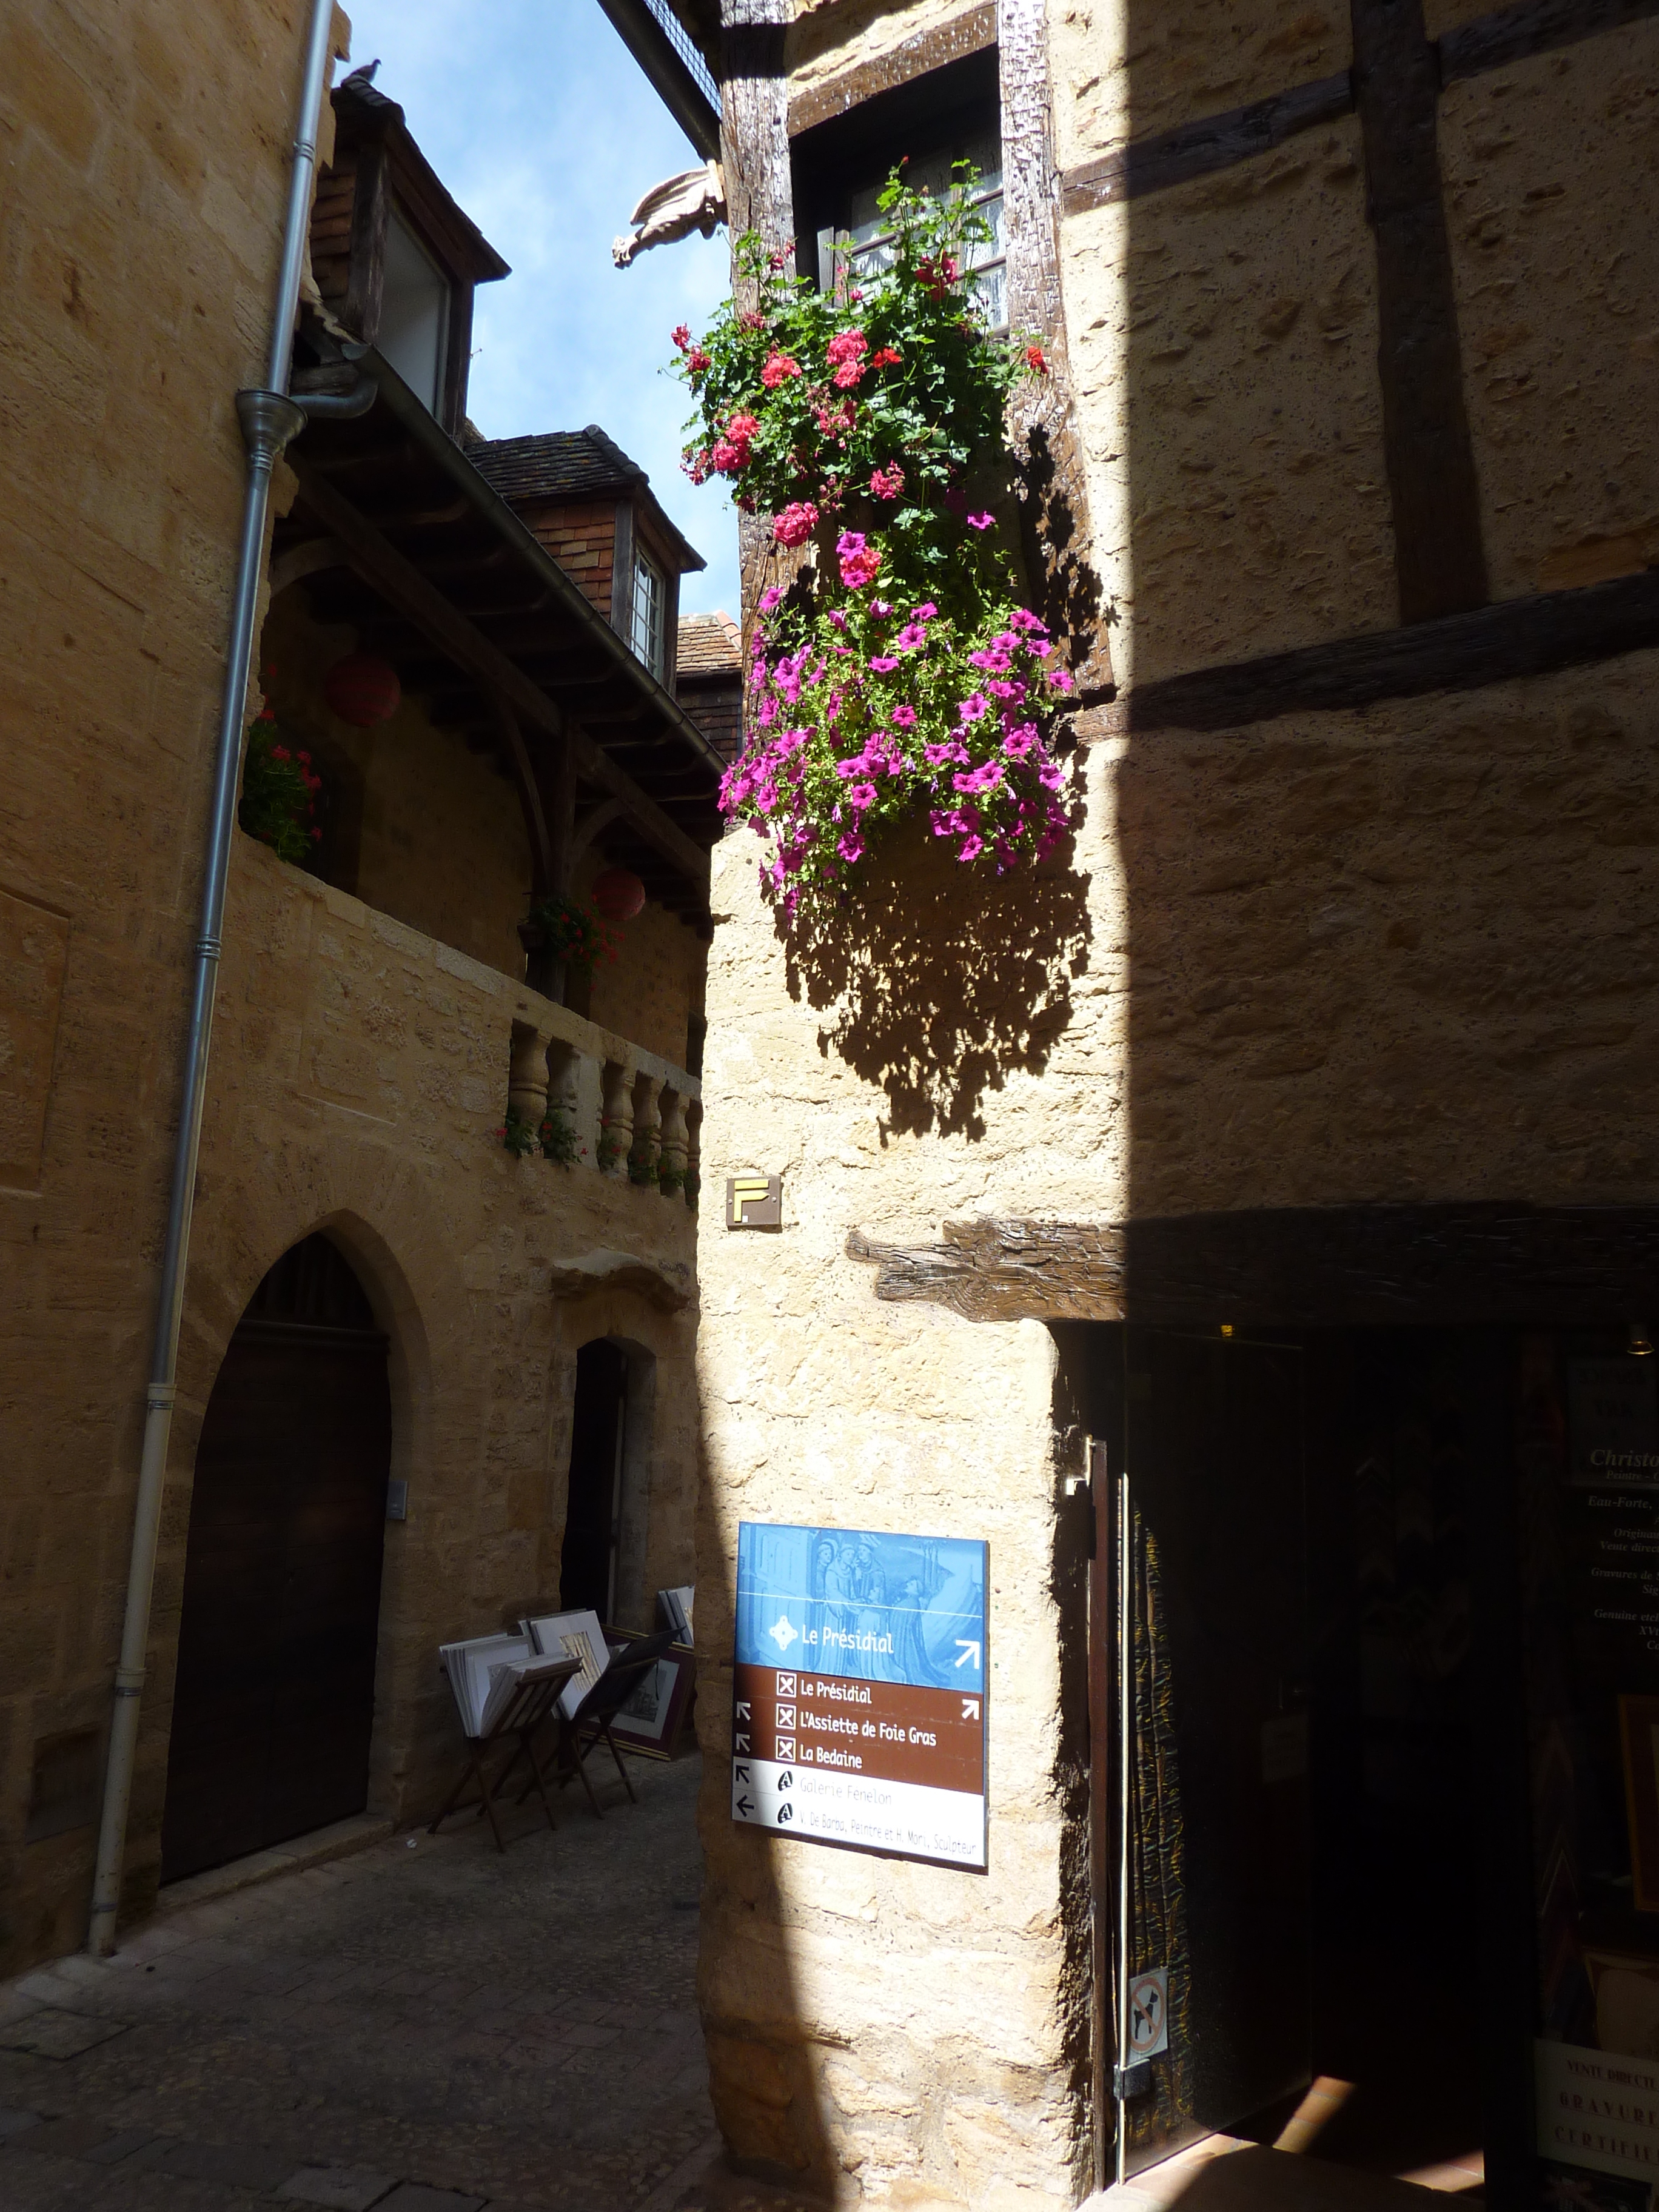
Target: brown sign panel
point(891, 1731)
point(754, 1201)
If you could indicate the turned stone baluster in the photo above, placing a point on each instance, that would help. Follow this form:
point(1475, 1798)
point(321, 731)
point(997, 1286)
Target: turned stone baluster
point(693, 1149)
point(671, 1172)
point(563, 1072)
point(647, 1129)
point(527, 1082)
point(616, 1111)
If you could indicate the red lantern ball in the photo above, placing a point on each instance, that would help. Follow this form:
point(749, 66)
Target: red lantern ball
point(362, 691)
point(618, 895)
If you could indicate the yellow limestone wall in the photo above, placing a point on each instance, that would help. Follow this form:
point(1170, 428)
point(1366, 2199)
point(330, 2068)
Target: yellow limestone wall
point(1399, 953)
point(360, 1064)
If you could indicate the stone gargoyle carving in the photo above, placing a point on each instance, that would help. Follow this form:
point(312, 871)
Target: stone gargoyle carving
point(695, 200)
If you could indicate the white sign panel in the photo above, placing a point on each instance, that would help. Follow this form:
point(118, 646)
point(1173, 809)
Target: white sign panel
point(1598, 2110)
point(851, 1809)
point(1149, 2014)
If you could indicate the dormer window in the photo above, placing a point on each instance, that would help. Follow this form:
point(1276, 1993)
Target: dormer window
point(414, 333)
point(649, 628)
point(394, 260)
point(592, 507)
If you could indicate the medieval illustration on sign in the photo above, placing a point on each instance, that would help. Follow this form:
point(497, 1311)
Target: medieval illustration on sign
point(859, 1690)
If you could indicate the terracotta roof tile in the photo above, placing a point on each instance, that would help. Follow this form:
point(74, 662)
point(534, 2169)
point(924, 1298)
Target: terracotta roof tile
point(558, 465)
point(710, 644)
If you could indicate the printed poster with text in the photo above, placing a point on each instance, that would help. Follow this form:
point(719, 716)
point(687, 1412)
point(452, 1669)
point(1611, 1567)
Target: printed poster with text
point(859, 1690)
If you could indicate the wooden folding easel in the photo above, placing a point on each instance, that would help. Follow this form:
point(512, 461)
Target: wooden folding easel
point(522, 1715)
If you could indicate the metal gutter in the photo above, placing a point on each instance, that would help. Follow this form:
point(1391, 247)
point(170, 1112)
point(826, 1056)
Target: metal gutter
point(269, 420)
point(640, 28)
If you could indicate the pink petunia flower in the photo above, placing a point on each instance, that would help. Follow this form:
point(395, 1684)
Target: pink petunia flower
point(974, 707)
point(884, 664)
point(904, 718)
point(979, 522)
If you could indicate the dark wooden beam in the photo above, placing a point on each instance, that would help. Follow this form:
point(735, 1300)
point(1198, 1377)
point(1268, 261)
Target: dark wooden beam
point(759, 195)
point(1440, 563)
point(1498, 1264)
point(592, 825)
point(543, 858)
point(968, 33)
point(1531, 637)
point(1537, 26)
point(403, 586)
point(1051, 484)
point(1214, 142)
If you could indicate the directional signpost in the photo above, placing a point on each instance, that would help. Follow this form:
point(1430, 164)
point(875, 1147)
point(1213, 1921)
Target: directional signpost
point(858, 1712)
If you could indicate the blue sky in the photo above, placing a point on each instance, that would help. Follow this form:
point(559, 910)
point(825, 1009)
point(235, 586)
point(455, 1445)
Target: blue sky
point(540, 123)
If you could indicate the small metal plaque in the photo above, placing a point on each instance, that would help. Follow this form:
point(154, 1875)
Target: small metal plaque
point(754, 1201)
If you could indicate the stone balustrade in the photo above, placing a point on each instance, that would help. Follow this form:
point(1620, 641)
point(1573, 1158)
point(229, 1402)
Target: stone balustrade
point(596, 1101)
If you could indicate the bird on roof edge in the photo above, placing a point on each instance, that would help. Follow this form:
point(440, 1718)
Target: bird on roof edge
point(364, 74)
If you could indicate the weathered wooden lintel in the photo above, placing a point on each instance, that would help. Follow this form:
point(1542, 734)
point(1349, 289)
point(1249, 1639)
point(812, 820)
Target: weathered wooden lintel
point(1490, 1264)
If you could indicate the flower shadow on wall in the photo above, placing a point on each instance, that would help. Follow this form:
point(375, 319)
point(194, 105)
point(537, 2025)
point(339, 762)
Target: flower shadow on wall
point(953, 978)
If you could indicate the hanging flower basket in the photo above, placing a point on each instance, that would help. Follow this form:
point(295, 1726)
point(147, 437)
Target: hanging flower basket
point(567, 931)
point(899, 675)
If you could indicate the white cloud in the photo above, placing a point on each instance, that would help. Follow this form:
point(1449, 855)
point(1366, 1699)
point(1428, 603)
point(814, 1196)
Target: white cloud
point(540, 123)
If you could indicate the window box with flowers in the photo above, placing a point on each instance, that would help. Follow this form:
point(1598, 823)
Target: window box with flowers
point(898, 675)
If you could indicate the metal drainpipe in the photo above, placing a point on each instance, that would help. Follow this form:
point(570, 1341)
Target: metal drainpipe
point(269, 420)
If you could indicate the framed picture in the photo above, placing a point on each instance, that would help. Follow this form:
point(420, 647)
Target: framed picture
point(650, 1721)
point(1638, 1727)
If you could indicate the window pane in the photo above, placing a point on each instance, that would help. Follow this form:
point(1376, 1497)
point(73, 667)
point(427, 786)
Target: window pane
point(414, 314)
point(648, 598)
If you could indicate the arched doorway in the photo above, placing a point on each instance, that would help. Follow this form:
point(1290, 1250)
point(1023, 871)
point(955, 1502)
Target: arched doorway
point(593, 1521)
point(274, 1696)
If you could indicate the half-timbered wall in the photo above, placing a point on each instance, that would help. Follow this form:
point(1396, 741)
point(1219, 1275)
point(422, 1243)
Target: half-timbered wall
point(1340, 1004)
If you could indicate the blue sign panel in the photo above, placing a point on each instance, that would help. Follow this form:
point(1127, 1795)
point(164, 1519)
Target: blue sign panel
point(859, 1689)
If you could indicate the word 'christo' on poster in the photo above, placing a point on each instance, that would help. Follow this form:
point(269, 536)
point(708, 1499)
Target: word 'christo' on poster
point(858, 1710)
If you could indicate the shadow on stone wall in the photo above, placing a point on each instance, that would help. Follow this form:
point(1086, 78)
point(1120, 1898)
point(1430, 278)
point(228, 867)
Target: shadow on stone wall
point(949, 980)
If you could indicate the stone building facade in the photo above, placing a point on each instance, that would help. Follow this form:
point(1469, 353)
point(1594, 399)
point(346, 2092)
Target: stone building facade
point(1327, 1042)
point(374, 1021)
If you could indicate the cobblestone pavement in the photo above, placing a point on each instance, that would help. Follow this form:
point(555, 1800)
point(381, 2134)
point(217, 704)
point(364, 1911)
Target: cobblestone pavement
point(421, 2030)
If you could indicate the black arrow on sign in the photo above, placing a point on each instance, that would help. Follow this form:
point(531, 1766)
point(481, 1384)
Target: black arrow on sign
point(745, 1806)
point(740, 1774)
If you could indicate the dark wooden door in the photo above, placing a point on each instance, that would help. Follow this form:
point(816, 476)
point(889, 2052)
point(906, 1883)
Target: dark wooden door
point(587, 1565)
point(1217, 1821)
point(274, 1696)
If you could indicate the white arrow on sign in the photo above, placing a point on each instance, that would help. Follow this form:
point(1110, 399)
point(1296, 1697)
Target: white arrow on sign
point(743, 1713)
point(740, 1743)
point(969, 1651)
point(971, 1709)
